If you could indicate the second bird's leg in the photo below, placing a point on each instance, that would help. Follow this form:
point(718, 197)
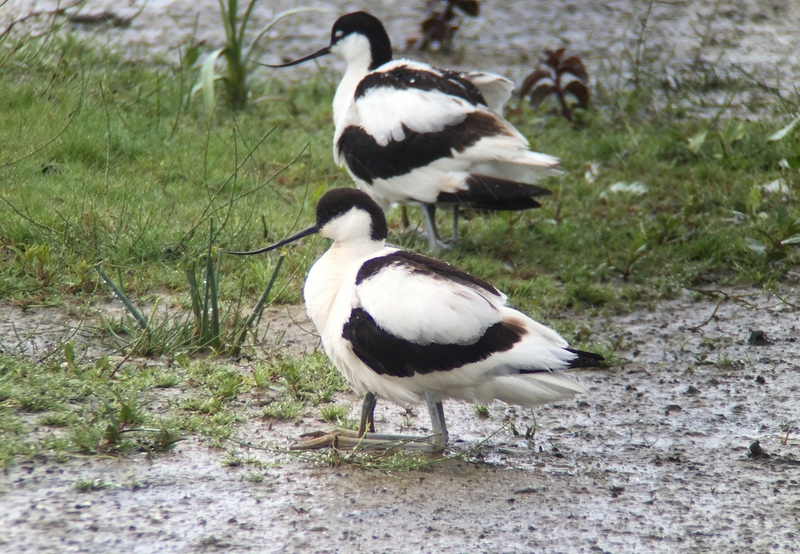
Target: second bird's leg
point(429, 214)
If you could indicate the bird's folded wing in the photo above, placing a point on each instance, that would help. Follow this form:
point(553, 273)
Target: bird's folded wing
point(496, 90)
point(425, 301)
point(387, 114)
point(404, 96)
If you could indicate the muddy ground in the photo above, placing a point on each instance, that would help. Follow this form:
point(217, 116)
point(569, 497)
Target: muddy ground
point(656, 458)
point(755, 41)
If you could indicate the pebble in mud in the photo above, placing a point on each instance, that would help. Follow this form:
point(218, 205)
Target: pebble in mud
point(756, 451)
point(759, 338)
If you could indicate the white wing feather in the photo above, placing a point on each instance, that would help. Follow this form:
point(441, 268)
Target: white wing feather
point(426, 309)
point(383, 112)
point(496, 90)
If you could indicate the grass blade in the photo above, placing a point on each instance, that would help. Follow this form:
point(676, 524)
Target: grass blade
point(121, 295)
point(778, 135)
point(236, 347)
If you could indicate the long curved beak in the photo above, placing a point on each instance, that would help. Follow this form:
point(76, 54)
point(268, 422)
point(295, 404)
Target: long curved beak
point(284, 242)
point(317, 54)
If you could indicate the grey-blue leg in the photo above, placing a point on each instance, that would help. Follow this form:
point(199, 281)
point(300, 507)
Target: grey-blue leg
point(438, 425)
point(345, 438)
point(429, 214)
point(367, 414)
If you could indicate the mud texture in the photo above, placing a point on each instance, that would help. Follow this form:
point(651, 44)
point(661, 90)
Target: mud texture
point(704, 42)
point(658, 458)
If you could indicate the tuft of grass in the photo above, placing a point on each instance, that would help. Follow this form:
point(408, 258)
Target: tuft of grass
point(339, 416)
point(164, 380)
point(91, 485)
point(282, 409)
point(334, 413)
point(311, 378)
point(237, 58)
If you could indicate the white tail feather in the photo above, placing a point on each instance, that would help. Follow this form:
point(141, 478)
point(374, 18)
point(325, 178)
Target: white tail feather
point(532, 389)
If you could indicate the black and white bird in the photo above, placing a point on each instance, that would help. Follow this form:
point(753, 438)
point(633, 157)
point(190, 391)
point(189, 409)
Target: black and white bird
point(410, 133)
point(405, 327)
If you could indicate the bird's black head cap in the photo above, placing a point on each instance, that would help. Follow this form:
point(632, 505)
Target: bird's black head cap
point(369, 26)
point(340, 201)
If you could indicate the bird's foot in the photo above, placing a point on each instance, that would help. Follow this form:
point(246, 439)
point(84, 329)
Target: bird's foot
point(435, 245)
point(346, 439)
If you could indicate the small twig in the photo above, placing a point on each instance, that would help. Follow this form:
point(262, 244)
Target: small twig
point(739, 299)
point(108, 135)
point(138, 429)
point(784, 301)
point(762, 85)
point(711, 317)
point(254, 447)
point(257, 310)
point(706, 33)
point(30, 15)
point(122, 361)
point(124, 299)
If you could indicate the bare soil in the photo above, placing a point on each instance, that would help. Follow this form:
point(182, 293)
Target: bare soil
point(701, 41)
point(656, 458)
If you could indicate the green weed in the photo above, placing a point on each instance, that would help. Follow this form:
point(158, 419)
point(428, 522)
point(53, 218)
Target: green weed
point(91, 485)
point(236, 57)
point(282, 409)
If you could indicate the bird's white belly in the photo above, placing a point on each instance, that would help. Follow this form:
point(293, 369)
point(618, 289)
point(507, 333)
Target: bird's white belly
point(329, 295)
point(423, 184)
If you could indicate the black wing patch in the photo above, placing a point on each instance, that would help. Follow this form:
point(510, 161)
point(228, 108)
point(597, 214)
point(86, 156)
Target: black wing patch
point(403, 77)
point(585, 359)
point(417, 263)
point(491, 193)
point(368, 160)
point(387, 354)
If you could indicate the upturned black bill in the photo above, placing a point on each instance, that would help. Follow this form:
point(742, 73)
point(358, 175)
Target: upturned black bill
point(284, 242)
point(317, 54)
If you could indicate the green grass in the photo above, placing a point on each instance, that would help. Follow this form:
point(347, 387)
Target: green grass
point(60, 408)
point(57, 408)
point(104, 162)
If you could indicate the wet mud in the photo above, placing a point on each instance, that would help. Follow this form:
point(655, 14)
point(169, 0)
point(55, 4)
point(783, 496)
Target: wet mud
point(661, 456)
point(755, 41)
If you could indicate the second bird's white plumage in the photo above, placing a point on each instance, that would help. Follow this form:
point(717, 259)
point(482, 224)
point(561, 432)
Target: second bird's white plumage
point(386, 113)
point(407, 132)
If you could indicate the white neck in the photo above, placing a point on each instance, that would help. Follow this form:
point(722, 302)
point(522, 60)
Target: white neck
point(356, 52)
point(328, 287)
point(350, 233)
